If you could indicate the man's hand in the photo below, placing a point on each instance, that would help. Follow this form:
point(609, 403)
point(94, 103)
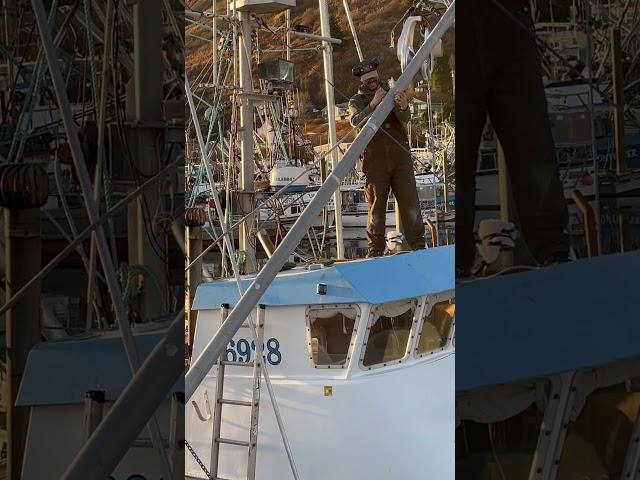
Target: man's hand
point(401, 100)
point(377, 97)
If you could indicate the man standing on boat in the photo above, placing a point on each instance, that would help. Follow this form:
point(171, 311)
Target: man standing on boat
point(387, 163)
point(499, 75)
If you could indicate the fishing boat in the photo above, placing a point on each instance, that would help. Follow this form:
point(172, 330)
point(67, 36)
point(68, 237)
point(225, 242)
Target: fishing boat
point(359, 353)
point(332, 360)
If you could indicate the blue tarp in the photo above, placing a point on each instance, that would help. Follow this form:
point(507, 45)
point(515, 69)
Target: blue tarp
point(62, 371)
point(537, 323)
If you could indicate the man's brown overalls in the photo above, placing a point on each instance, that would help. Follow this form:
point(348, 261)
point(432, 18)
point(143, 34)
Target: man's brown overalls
point(388, 165)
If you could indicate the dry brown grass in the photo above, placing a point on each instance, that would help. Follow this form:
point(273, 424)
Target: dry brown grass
point(373, 20)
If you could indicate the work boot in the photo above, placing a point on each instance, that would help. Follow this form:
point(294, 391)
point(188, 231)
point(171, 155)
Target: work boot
point(374, 253)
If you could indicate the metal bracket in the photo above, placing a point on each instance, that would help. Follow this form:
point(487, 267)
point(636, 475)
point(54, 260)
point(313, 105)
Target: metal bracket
point(631, 469)
point(553, 431)
point(207, 408)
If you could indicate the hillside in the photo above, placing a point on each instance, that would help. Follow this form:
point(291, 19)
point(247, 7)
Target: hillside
point(374, 21)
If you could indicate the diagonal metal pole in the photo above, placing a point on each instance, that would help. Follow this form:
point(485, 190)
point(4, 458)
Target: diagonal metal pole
point(92, 211)
point(228, 243)
point(248, 301)
point(111, 440)
point(345, 3)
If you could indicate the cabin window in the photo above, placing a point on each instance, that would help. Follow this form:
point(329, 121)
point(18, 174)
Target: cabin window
point(388, 333)
point(488, 161)
point(437, 326)
point(295, 209)
point(330, 330)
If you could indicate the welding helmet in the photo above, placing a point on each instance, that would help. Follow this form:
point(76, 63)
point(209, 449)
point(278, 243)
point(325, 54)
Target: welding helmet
point(367, 65)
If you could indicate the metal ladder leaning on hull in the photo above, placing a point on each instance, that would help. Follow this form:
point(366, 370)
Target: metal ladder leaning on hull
point(254, 404)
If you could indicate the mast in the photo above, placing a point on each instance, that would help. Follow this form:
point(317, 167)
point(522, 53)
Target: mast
point(327, 57)
point(245, 186)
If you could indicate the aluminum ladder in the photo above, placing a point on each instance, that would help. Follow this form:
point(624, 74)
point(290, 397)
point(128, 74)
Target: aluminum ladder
point(254, 404)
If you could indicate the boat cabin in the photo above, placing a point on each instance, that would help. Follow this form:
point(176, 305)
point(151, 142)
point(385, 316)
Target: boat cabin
point(361, 359)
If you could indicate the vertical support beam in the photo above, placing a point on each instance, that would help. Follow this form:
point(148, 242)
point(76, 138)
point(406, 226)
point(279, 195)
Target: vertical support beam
point(147, 37)
point(149, 90)
point(503, 185)
point(93, 410)
point(622, 232)
point(214, 52)
point(194, 277)
point(22, 261)
point(327, 57)
point(631, 469)
point(618, 99)
point(445, 181)
point(589, 223)
point(287, 16)
point(97, 180)
point(246, 144)
point(8, 5)
point(594, 149)
point(176, 432)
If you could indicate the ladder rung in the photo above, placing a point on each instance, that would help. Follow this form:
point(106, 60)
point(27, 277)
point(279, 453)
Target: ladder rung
point(228, 441)
point(237, 364)
point(241, 403)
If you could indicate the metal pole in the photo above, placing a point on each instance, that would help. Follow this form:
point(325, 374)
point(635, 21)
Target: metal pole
point(594, 149)
point(618, 99)
point(318, 38)
point(214, 53)
point(327, 56)
point(445, 179)
point(135, 406)
point(353, 29)
point(246, 143)
point(287, 16)
point(92, 211)
point(149, 93)
point(589, 223)
point(194, 276)
point(203, 364)
point(97, 180)
point(503, 184)
point(631, 468)
point(93, 411)
point(23, 253)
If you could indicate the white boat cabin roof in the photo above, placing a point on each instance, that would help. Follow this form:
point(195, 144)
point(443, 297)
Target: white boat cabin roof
point(374, 281)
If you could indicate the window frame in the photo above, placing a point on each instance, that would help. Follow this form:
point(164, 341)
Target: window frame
point(419, 301)
point(352, 342)
point(429, 302)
